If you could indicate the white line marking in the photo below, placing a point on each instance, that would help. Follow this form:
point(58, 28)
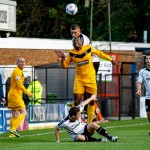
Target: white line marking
point(111, 127)
point(141, 124)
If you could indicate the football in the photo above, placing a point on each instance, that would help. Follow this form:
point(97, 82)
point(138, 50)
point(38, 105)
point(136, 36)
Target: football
point(71, 9)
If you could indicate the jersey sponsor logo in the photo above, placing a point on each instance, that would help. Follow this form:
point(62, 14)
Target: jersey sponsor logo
point(17, 78)
point(82, 63)
point(148, 78)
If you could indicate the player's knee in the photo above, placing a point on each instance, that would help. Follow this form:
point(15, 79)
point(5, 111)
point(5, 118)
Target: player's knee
point(92, 126)
point(80, 138)
point(25, 114)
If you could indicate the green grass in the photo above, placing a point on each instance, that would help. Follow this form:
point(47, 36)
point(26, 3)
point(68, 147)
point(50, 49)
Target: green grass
point(133, 135)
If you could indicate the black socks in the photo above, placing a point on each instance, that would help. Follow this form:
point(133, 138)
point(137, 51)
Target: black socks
point(92, 139)
point(103, 132)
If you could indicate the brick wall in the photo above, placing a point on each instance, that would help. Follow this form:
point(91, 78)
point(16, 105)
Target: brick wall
point(35, 57)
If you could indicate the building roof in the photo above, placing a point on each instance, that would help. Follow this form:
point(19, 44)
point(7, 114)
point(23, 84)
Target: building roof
point(38, 43)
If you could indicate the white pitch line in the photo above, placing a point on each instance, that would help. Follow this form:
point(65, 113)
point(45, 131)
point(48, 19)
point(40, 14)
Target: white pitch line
point(105, 127)
point(127, 125)
point(40, 134)
point(111, 127)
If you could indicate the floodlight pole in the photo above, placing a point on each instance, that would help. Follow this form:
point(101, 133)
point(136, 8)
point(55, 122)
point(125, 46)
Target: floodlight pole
point(91, 21)
point(109, 25)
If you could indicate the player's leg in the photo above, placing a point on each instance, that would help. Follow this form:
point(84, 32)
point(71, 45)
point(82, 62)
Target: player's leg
point(22, 112)
point(85, 97)
point(100, 130)
point(77, 98)
point(80, 138)
point(78, 91)
point(91, 89)
point(13, 105)
point(96, 66)
point(87, 137)
point(21, 116)
point(90, 109)
point(17, 116)
point(13, 121)
point(147, 104)
point(16, 120)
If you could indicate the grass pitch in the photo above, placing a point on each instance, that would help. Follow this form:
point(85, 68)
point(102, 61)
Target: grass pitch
point(133, 135)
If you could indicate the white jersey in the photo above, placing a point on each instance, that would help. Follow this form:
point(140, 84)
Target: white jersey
point(95, 58)
point(74, 128)
point(144, 77)
point(85, 40)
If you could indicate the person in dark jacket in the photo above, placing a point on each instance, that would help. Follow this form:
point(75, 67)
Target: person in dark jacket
point(2, 99)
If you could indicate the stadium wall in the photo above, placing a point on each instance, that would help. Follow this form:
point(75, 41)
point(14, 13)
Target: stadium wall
point(41, 51)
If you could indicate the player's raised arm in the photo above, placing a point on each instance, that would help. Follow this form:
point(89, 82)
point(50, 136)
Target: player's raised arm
point(93, 97)
point(61, 56)
point(59, 53)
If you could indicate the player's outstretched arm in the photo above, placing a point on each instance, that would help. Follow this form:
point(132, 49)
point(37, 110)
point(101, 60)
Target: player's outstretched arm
point(93, 97)
point(56, 130)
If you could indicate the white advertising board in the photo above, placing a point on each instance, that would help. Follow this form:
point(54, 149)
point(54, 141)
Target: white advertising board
point(142, 108)
point(105, 69)
point(8, 16)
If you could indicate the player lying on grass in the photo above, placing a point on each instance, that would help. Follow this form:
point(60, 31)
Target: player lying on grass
point(80, 131)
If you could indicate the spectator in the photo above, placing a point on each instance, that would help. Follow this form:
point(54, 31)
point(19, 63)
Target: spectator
point(36, 89)
point(2, 99)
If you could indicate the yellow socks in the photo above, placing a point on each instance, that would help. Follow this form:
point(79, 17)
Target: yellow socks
point(19, 120)
point(91, 112)
point(15, 122)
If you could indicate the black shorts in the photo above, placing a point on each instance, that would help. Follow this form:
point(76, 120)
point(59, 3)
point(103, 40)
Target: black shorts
point(86, 132)
point(147, 104)
point(96, 66)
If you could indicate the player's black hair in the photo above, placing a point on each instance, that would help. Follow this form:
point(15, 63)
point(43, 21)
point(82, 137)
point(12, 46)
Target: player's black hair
point(74, 27)
point(73, 111)
point(148, 54)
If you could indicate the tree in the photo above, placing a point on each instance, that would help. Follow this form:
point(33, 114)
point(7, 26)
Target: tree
point(48, 19)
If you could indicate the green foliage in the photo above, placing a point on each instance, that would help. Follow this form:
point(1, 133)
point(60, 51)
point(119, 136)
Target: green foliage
point(48, 19)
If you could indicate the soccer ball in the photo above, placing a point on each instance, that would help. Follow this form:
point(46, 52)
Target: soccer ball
point(71, 9)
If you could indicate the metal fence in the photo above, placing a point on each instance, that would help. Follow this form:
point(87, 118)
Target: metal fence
point(116, 97)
